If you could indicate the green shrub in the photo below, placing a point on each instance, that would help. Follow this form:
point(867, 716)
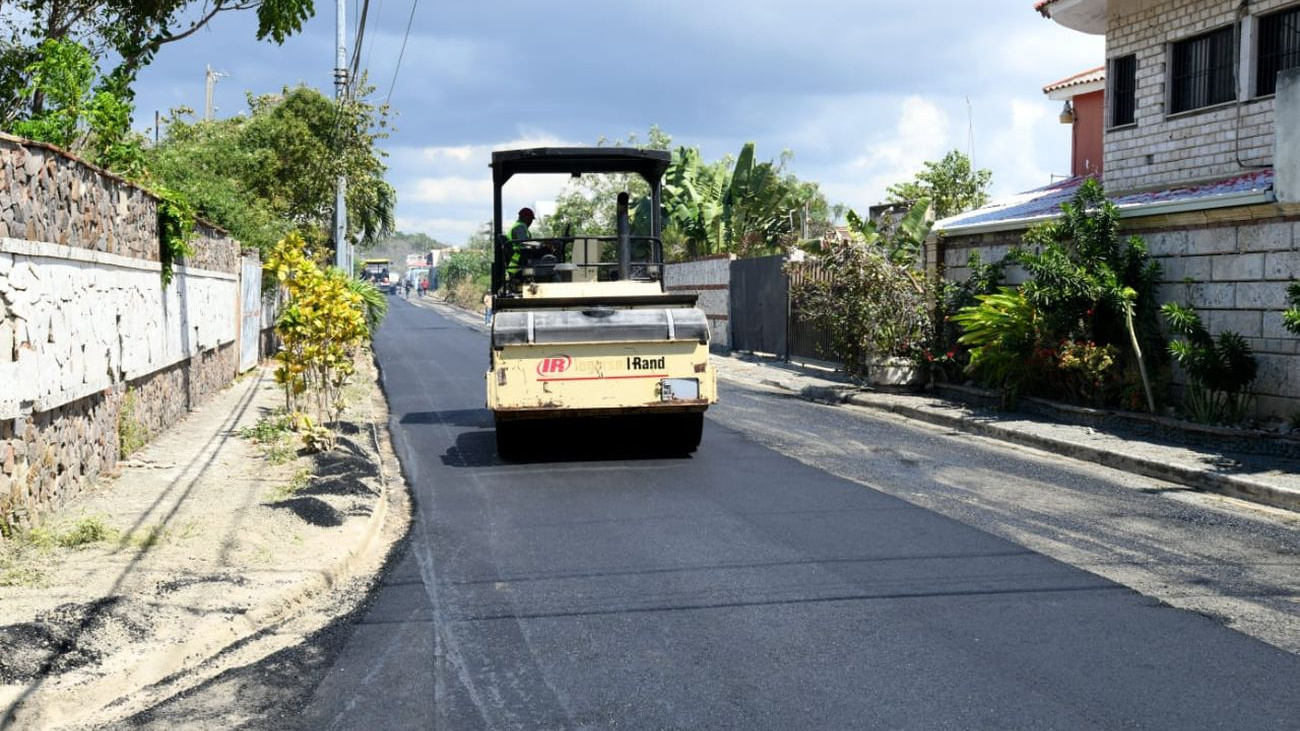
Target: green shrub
point(1219, 370)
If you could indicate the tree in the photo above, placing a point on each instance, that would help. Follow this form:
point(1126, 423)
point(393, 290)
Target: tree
point(275, 169)
point(745, 206)
point(94, 122)
point(129, 32)
point(587, 204)
point(950, 183)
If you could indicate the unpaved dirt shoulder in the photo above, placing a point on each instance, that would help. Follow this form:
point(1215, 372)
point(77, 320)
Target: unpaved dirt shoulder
point(219, 558)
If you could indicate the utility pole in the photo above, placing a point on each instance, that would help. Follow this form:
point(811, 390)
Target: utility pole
point(342, 251)
point(209, 85)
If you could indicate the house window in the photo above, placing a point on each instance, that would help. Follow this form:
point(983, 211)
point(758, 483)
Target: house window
point(1279, 48)
point(1122, 82)
point(1203, 71)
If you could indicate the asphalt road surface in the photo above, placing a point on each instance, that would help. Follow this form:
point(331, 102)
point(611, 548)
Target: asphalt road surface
point(775, 580)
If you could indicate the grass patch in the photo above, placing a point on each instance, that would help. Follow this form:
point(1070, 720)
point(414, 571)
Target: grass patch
point(274, 432)
point(281, 453)
point(147, 537)
point(17, 566)
point(159, 532)
point(83, 532)
point(131, 433)
point(269, 429)
point(300, 479)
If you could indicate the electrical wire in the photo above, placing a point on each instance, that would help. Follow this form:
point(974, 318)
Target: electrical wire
point(400, 54)
point(355, 67)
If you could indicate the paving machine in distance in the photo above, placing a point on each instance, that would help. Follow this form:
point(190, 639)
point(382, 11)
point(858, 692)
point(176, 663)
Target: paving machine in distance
point(582, 327)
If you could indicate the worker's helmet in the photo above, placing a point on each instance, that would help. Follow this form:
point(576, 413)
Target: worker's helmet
point(526, 213)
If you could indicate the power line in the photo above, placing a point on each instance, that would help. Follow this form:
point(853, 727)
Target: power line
point(406, 35)
point(356, 47)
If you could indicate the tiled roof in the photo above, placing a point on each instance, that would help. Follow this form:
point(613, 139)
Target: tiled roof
point(1044, 203)
point(1079, 79)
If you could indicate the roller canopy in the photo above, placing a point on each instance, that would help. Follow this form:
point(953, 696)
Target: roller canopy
point(650, 164)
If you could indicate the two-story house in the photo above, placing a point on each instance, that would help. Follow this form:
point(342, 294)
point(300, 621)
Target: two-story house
point(1200, 149)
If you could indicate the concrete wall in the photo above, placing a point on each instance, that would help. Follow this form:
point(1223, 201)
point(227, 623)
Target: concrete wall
point(1231, 265)
point(1216, 141)
point(92, 346)
point(710, 278)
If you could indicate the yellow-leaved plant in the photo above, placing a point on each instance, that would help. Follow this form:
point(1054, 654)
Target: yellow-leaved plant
point(322, 325)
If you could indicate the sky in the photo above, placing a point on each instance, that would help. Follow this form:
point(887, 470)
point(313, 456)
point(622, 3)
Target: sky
point(861, 92)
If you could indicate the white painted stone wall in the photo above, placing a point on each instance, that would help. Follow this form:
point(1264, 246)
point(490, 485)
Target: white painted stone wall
point(1217, 141)
point(711, 280)
point(75, 322)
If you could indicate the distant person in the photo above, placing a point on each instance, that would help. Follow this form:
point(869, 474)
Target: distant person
point(487, 306)
point(424, 286)
point(406, 287)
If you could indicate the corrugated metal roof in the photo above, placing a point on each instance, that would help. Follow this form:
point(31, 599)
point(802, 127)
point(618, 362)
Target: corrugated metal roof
point(1045, 203)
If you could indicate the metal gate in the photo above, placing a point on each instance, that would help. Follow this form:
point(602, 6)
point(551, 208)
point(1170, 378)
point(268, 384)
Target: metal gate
point(760, 296)
point(250, 312)
point(808, 341)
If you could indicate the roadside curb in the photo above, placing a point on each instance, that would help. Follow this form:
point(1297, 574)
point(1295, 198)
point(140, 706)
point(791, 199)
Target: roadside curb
point(1199, 479)
point(948, 413)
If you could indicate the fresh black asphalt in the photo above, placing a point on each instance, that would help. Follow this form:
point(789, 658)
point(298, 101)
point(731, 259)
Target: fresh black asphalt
point(604, 586)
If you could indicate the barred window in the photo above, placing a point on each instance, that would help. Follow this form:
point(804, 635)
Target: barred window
point(1279, 48)
point(1122, 87)
point(1203, 72)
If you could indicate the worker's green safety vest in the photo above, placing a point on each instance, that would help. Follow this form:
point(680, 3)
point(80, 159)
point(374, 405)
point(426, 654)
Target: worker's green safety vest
point(518, 232)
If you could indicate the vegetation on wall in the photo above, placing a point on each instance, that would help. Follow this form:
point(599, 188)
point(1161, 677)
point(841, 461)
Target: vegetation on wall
point(175, 230)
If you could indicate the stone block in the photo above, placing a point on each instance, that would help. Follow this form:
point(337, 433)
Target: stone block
point(1213, 295)
point(1246, 323)
point(1261, 295)
point(1283, 265)
point(1167, 243)
point(1237, 267)
point(1211, 240)
point(1178, 268)
point(1273, 327)
point(1265, 236)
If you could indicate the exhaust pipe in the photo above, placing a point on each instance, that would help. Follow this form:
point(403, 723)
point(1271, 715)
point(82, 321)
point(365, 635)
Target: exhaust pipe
point(624, 240)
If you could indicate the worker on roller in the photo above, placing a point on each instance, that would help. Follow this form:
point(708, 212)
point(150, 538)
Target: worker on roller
point(519, 232)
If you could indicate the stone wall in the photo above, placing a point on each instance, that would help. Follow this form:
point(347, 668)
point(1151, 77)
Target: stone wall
point(1160, 149)
point(1233, 270)
point(48, 195)
point(710, 278)
point(92, 346)
point(48, 457)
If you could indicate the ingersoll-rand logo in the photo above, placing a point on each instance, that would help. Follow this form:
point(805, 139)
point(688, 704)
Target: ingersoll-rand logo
point(553, 365)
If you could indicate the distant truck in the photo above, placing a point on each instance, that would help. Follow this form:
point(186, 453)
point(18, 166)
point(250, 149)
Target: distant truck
point(582, 326)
